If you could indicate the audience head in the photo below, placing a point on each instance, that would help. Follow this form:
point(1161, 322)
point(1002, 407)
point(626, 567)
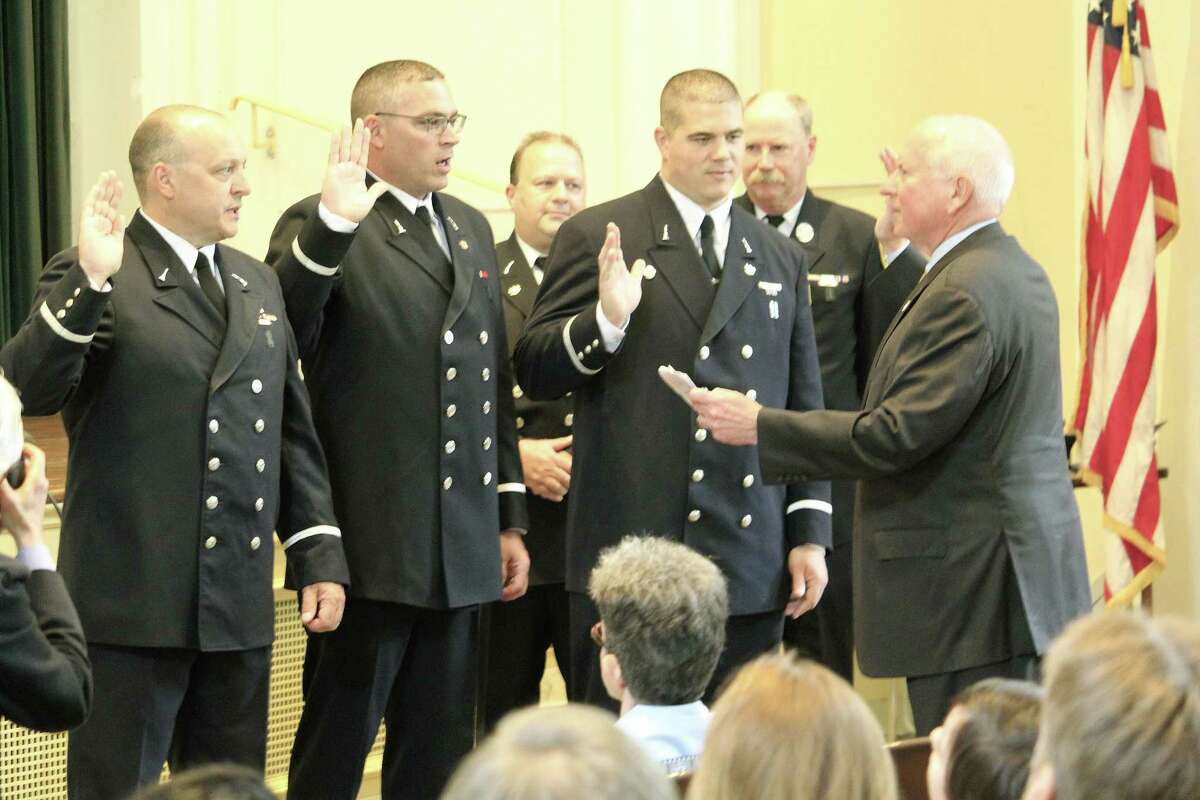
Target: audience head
point(953, 171)
point(779, 147)
point(215, 782)
point(558, 753)
point(1121, 716)
point(785, 727)
point(700, 135)
point(982, 750)
point(413, 121)
point(189, 167)
point(546, 186)
point(663, 608)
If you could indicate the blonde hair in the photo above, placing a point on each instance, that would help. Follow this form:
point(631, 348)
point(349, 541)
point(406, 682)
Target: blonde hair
point(790, 728)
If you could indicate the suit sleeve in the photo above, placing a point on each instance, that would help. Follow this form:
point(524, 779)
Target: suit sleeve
point(560, 349)
point(809, 509)
point(941, 371)
point(45, 676)
point(306, 255)
point(69, 327)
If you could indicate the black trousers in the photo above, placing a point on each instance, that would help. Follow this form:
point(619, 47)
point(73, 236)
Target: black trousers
point(826, 634)
point(747, 636)
point(931, 695)
point(416, 668)
point(516, 636)
point(156, 705)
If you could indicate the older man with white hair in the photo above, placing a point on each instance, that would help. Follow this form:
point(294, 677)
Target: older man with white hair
point(968, 554)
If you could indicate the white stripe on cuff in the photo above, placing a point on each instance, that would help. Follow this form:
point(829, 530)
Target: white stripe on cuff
point(315, 530)
point(571, 349)
point(815, 505)
point(510, 487)
point(308, 262)
point(57, 327)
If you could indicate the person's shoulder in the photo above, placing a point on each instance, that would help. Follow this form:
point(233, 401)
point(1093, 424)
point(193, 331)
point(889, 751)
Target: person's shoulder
point(11, 572)
point(461, 210)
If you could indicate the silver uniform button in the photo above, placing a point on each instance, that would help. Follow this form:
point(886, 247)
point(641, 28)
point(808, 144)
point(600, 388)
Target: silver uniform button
point(446, 484)
point(69, 303)
point(748, 481)
point(451, 410)
point(213, 426)
point(520, 423)
point(704, 351)
point(701, 434)
point(259, 425)
point(214, 464)
point(694, 515)
point(517, 393)
point(747, 351)
point(569, 420)
point(211, 502)
point(60, 313)
point(448, 337)
point(450, 446)
point(258, 504)
point(487, 478)
point(746, 520)
point(487, 406)
point(487, 443)
point(483, 337)
point(255, 543)
point(752, 394)
point(451, 374)
point(256, 386)
point(210, 543)
point(697, 475)
point(77, 290)
point(260, 465)
point(486, 374)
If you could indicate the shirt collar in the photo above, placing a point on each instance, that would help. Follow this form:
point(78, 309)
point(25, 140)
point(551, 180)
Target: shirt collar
point(952, 241)
point(790, 216)
point(531, 254)
point(407, 200)
point(692, 214)
point(184, 249)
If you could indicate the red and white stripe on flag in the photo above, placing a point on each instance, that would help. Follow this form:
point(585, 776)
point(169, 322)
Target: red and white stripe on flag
point(1132, 215)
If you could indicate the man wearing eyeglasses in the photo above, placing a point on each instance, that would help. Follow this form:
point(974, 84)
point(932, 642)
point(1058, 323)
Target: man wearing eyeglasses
point(394, 293)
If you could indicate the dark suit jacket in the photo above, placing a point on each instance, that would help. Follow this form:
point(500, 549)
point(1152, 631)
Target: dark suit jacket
point(853, 300)
point(965, 519)
point(412, 396)
point(189, 446)
point(549, 419)
point(640, 464)
point(45, 677)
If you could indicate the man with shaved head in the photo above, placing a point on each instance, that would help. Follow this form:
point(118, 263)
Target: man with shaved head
point(711, 292)
point(191, 440)
point(857, 284)
point(969, 554)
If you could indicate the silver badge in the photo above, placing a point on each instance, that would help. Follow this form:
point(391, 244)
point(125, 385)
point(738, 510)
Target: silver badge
point(749, 269)
point(666, 233)
point(746, 245)
point(805, 232)
point(399, 227)
point(513, 291)
point(773, 308)
point(508, 267)
point(462, 243)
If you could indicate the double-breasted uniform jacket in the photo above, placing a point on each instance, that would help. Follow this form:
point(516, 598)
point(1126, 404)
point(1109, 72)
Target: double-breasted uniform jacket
point(412, 396)
point(969, 538)
point(537, 419)
point(640, 462)
point(853, 300)
point(45, 678)
point(189, 445)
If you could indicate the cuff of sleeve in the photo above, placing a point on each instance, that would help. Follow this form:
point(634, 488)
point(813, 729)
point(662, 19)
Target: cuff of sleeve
point(335, 222)
point(73, 309)
point(582, 339)
point(320, 247)
point(610, 334)
point(315, 554)
point(513, 513)
point(810, 522)
point(36, 557)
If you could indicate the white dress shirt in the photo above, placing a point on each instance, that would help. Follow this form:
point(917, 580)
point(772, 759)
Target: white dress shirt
point(187, 251)
point(952, 240)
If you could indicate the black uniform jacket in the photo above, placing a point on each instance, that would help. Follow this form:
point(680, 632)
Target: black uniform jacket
point(965, 515)
point(45, 678)
point(412, 396)
point(853, 300)
point(537, 419)
point(189, 445)
point(640, 463)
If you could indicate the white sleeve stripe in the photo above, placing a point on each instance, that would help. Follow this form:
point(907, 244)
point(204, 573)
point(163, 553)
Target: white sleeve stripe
point(57, 327)
point(510, 487)
point(571, 349)
point(313, 531)
point(815, 505)
point(308, 262)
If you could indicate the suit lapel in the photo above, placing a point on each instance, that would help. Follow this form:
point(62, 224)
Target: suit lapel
point(463, 261)
point(738, 274)
point(400, 225)
point(520, 287)
point(242, 305)
point(674, 256)
point(176, 292)
point(812, 214)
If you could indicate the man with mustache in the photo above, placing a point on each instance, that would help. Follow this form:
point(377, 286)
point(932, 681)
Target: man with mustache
point(855, 293)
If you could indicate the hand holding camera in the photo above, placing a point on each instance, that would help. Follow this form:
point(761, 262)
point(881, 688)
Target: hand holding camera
point(22, 506)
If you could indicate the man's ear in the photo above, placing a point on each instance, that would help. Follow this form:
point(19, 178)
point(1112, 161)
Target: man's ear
point(610, 667)
point(661, 137)
point(964, 192)
point(509, 192)
point(162, 180)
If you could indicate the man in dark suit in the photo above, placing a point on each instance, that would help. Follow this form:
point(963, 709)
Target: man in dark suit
point(969, 556)
point(546, 187)
point(713, 293)
point(854, 295)
point(45, 677)
point(395, 295)
point(191, 440)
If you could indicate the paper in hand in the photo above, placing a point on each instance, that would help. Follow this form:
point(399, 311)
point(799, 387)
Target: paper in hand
point(679, 382)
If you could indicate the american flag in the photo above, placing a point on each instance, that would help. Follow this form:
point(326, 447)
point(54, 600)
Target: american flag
point(1131, 216)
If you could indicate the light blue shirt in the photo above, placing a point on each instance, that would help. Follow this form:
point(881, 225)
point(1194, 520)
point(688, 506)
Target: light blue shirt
point(953, 240)
point(671, 735)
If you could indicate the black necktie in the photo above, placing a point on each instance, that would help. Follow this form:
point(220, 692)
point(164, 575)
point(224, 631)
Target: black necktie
point(422, 215)
point(540, 262)
point(429, 243)
point(775, 220)
point(208, 284)
point(539, 267)
point(707, 252)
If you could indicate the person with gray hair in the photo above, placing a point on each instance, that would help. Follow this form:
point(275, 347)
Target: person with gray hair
point(558, 753)
point(968, 552)
point(663, 608)
point(1121, 714)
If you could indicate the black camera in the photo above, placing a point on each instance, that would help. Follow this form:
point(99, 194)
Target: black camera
point(16, 473)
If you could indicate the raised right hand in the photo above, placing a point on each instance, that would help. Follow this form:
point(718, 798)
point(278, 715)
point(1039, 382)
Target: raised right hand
point(345, 190)
point(620, 287)
point(102, 231)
